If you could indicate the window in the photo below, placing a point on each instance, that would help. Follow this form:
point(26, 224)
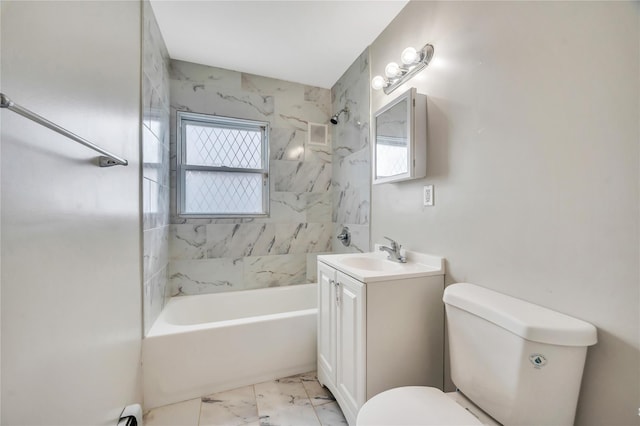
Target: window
point(223, 166)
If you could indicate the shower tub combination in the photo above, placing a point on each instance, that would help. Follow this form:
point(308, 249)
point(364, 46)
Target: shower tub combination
point(214, 342)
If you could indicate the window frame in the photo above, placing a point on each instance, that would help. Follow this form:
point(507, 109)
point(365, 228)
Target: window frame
point(185, 117)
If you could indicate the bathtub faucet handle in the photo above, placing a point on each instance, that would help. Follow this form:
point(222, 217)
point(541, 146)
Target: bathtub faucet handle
point(345, 236)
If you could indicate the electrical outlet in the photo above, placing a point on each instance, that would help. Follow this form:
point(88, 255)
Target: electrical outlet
point(428, 195)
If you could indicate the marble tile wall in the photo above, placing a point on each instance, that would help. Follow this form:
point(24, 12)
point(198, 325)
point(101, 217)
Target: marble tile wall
point(216, 255)
point(351, 178)
point(155, 170)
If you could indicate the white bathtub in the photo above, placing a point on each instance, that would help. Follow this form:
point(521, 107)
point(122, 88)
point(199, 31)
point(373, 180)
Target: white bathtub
point(215, 342)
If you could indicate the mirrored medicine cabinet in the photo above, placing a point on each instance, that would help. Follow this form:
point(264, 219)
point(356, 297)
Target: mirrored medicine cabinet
point(400, 139)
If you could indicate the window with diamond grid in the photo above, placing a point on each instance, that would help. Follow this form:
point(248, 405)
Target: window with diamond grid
point(222, 166)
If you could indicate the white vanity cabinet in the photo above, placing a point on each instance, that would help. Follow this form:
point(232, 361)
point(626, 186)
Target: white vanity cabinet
point(327, 320)
point(377, 332)
point(341, 337)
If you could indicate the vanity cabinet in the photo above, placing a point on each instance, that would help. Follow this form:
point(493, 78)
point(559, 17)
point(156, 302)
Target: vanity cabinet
point(327, 322)
point(374, 336)
point(341, 337)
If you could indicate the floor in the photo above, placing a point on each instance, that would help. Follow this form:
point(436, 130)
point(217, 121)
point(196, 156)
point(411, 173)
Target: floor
point(296, 401)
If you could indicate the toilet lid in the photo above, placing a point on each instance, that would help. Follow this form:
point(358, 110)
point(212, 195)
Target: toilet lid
point(414, 405)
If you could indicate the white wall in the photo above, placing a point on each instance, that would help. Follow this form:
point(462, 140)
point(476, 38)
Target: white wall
point(71, 308)
point(533, 151)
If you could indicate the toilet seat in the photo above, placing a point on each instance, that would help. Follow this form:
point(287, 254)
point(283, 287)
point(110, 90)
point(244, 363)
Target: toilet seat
point(414, 405)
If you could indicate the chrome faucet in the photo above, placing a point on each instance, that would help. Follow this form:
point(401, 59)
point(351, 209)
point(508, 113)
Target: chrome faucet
point(394, 252)
point(345, 236)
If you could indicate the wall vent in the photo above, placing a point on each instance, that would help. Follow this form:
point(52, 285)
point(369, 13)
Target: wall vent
point(317, 134)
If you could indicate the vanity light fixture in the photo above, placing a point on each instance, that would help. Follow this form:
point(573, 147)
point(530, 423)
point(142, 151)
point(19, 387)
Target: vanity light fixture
point(413, 61)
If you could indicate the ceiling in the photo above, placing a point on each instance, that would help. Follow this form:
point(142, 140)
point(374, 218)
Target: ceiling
point(309, 42)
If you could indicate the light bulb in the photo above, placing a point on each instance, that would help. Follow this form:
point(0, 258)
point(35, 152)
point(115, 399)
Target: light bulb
point(378, 82)
point(392, 70)
point(409, 56)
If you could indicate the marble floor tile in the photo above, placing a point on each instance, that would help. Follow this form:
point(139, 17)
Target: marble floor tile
point(285, 391)
point(285, 402)
point(184, 413)
point(295, 401)
point(289, 416)
point(330, 414)
point(317, 393)
point(232, 408)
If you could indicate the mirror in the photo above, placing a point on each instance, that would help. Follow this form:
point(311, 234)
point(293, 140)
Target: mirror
point(399, 151)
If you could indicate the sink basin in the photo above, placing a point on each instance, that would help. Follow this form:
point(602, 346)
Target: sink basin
point(370, 263)
point(374, 266)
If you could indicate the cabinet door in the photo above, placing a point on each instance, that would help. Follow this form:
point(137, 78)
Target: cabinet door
point(351, 343)
point(326, 325)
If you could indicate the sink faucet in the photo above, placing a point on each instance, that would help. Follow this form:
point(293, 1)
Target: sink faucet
point(394, 251)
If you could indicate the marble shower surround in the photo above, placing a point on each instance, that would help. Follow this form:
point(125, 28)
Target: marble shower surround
point(155, 170)
point(351, 178)
point(214, 255)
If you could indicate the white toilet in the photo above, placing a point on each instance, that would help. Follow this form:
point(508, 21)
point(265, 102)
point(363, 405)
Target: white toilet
point(513, 363)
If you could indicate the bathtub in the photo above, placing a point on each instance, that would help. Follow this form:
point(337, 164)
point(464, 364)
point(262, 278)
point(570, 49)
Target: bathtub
point(215, 342)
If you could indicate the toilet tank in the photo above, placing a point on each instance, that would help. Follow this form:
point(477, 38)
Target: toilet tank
point(521, 363)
